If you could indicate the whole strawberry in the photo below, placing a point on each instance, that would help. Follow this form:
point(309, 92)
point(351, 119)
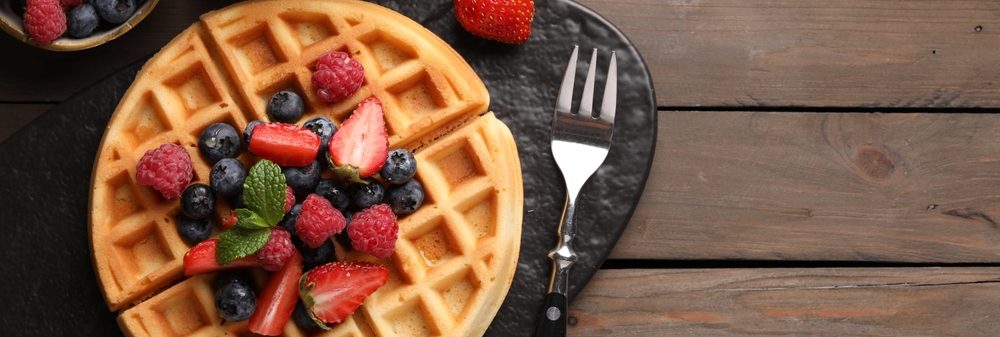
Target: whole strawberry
point(507, 21)
point(44, 20)
point(374, 230)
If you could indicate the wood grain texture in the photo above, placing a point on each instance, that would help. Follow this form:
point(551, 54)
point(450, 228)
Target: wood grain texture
point(854, 53)
point(820, 186)
point(936, 302)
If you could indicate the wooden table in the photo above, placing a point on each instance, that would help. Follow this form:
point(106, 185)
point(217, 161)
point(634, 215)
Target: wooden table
point(821, 167)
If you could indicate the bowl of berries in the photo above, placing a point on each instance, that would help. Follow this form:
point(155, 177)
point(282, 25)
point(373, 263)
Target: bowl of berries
point(68, 25)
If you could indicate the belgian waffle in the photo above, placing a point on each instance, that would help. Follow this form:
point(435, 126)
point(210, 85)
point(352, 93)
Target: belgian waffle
point(456, 256)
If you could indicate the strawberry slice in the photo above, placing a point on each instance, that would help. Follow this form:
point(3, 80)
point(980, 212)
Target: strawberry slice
point(507, 21)
point(360, 147)
point(284, 144)
point(276, 302)
point(332, 292)
point(200, 259)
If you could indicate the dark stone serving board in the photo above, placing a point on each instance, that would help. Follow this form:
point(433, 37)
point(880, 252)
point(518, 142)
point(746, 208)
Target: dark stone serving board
point(47, 281)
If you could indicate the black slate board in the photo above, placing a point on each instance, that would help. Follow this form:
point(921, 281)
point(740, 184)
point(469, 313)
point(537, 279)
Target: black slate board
point(47, 282)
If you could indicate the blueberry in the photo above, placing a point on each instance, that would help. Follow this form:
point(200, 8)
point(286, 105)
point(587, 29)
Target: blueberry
point(237, 201)
point(406, 198)
point(334, 193)
point(81, 21)
point(227, 177)
point(399, 167)
point(235, 299)
point(288, 222)
point(114, 11)
point(198, 201)
point(304, 320)
point(312, 258)
point(194, 231)
point(367, 194)
point(285, 106)
point(323, 128)
point(248, 131)
point(302, 180)
point(342, 237)
point(218, 141)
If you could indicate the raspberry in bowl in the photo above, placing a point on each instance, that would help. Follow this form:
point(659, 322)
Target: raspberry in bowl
point(69, 25)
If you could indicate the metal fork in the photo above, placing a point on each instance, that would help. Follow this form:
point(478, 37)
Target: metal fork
point(580, 143)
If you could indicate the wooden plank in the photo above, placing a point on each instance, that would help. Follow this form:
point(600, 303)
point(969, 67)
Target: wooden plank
point(790, 302)
point(15, 116)
point(853, 53)
point(821, 186)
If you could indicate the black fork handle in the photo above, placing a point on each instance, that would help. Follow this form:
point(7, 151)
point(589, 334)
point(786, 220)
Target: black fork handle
point(552, 320)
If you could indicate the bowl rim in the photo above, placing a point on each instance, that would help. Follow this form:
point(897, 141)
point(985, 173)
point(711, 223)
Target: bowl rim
point(10, 23)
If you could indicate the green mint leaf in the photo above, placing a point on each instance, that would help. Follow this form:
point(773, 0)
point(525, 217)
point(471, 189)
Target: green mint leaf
point(247, 219)
point(264, 191)
point(238, 243)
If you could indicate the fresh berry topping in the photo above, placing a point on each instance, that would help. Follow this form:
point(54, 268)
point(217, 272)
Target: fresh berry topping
point(337, 76)
point(333, 192)
point(315, 257)
point(286, 107)
point(227, 177)
point(218, 141)
point(44, 20)
point(198, 201)
point(366, 194)
point(276, 252)
point(201, 259)
point(276, 303)
point(235, 298)
point(302, 179)
point(114, 11)
point(288, 222)
point(81, 21)
point(406, 198)
point(507, 21)
point(302, 319)
point(323, 128)
point(194, 231)
point(318, 221)
point(166, 169)
point(342, 237)
point(230, 220)
point(332, 292)
point(248, 131)
point(359, 148)
point(69, 4)
point(374, 231)
point(238, 201)
point(289, 199)
point(400, 166)
point(284, 144)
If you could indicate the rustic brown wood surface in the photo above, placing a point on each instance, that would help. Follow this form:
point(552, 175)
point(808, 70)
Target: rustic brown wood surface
point(931, 302)
point(813, 185)
point(821, 186)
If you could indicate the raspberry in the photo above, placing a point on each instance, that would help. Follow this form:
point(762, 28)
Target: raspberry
point(44, 20)
point(229, 221)
point(276, 251)
point(69, 4)
point(166, 169)
point(337, 76)
point(318, 220)
point(289, 198)
point(374, 230)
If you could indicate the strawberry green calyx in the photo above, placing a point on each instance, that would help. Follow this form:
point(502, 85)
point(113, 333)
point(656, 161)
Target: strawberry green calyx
point(305, 294)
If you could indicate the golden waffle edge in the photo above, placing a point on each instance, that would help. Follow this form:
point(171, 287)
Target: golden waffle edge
point(456, 256)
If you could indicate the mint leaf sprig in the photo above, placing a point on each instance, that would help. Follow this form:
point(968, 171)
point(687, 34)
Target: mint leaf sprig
point(264, 193)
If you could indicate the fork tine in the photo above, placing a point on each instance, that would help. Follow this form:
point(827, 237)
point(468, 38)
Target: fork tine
point(587, 101)
point(610, 92)
point(565, 100)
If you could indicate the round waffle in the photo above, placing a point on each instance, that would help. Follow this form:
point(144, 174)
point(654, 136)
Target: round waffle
point(455, 257)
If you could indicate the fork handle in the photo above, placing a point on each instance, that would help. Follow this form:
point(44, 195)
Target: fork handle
point(552, 320)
